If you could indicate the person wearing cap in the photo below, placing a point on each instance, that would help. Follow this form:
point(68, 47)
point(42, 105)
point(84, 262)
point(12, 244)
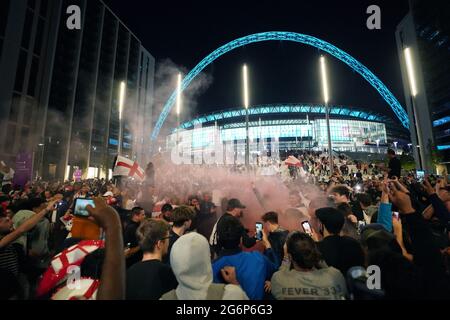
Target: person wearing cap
point(234, 211)
point(341, 252)
point(110, 200)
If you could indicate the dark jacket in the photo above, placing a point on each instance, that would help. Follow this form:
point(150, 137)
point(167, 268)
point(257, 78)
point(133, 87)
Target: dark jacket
point(277, 239)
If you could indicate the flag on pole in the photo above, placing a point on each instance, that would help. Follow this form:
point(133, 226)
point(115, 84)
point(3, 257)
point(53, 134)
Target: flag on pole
point(128, 168)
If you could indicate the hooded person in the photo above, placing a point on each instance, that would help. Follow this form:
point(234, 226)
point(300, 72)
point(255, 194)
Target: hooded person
point(195, 276)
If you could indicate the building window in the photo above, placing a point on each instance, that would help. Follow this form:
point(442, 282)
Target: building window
point(26, 35)
point(20, 71)
point(33, 77)
point(39, 37)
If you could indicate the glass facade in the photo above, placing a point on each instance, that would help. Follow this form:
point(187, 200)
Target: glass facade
point(345, 134)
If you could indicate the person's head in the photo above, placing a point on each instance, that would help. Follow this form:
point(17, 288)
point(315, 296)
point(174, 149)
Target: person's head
point(166, 212)
point(137, 214)
point(302, 250)
point(6, 223)
point(108, 195)
point(235, 208)
point(182, 217)
point(345, 209)
point(364, 200)
point(190, 260)
point(194, 201)
point(391, 153)
point(48, 194)
point(36, 204)
point(229, 233)
point(207, 196)
point(340, 194)
point(153, 236)
point(271, 220)
point(318, 202)
point(332, 220)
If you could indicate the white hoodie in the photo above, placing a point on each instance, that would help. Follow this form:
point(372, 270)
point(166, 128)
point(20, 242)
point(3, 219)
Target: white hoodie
point(191, 263)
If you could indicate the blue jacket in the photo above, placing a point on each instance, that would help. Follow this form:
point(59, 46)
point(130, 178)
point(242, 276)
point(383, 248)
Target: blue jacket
point(252, 270)
point(385, 216)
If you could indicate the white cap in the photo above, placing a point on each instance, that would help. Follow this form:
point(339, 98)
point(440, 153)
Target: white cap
point(108, 194)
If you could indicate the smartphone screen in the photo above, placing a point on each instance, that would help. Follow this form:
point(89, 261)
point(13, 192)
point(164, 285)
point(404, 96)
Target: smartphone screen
point(396, 215)
point(420, 175)
point(361, 224)
point(80, 207)
point(259, 229)
point(307, 228)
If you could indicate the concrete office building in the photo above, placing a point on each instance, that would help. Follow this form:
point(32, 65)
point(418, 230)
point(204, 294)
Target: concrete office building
point(59, 89)
point(425, 34)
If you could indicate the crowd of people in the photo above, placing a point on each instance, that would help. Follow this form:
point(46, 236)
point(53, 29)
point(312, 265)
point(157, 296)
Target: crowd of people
point(189, 233)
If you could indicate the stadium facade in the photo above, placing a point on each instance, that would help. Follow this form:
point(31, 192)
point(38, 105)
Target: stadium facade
point(291, 127)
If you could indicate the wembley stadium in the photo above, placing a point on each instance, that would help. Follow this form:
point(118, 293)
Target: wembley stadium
point(294, 126)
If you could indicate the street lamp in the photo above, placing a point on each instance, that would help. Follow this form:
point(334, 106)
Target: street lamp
point(246, 105)
point(395, 145)
point(326, 100)
point(121, 104)
point(178, 105)
point(413, 94)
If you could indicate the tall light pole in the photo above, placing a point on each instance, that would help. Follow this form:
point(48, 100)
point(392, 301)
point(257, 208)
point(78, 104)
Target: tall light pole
point(413, 94)
point(121, 104)
point(326, 99)
point(246, 105)
point(395, 145)
point(178, 105)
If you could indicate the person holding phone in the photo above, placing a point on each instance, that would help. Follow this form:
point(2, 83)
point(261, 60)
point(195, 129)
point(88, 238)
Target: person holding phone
point(277, 235)
point(234, 212)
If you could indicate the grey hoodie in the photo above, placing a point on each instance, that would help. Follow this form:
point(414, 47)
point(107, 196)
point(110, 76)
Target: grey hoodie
point(191, 263)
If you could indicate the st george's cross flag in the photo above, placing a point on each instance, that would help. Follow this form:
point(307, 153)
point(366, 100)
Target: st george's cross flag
point(128, 168)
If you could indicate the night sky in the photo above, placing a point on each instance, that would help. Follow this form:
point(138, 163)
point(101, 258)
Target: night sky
point(186, 31)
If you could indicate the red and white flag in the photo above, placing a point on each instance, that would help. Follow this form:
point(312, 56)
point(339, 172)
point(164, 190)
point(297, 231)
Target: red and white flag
point(128, 168)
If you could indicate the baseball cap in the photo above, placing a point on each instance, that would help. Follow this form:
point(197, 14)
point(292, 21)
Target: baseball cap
point(376, 236)
point(109, 194)
point(235, 203)
point(331, 218)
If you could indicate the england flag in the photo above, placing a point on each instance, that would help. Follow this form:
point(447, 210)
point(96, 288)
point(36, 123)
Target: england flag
point(128, 168)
